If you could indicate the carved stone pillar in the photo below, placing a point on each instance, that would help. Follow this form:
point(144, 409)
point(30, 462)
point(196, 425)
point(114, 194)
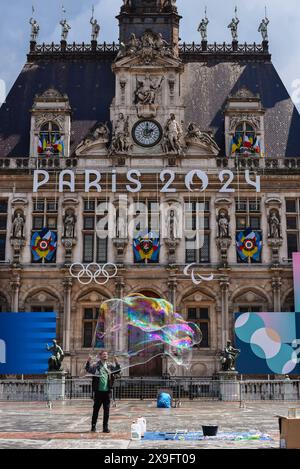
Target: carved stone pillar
point(172, 284)
point(15, 287)
point(67, 314)
point(224, 286)
point(276, 288)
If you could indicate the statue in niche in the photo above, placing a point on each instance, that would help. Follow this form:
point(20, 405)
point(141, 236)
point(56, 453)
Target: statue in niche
point(18, 226)
point(120, 140)
point(172, 225)
point(146, 91)
point(263, 28)
point(69, 224)
point(35, 28)
point(65, 29)
point(274, 225)
point(223, 224)
point(172, 136)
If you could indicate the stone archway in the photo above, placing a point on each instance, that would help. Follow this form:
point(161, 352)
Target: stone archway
point(143, 364)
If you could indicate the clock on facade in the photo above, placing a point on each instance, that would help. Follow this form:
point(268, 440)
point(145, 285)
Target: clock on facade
point(147, 133)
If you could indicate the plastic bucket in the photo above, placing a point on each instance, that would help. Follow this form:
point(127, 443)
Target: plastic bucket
point(210, 430)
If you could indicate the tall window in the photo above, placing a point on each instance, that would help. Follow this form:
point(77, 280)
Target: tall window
point(147, 221)
point(90, 319)
point(292, 226)
point(50, 140)
point(197, 239)
point(250, 309)
point(200, 316)
point(3, 224)
point(95, 231)
point(42, 309)
point(3, 305)
point(248, 215)
point(45, 213)
point(245, 140)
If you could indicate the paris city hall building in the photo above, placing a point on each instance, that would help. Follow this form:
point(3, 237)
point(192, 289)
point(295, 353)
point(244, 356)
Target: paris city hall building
point(175, 164)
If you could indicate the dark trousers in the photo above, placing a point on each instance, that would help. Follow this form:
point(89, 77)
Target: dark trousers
point(101, 397)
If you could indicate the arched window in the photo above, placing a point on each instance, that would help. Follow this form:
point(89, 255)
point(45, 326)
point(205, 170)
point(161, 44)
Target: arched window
point(50, 140)
point(245, 141)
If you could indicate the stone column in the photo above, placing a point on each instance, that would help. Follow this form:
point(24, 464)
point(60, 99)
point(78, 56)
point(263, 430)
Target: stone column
point(122, 340)
point(67, 314)
point(276, 288)
point(172, 284)
point(15, 286)
point(224, 285)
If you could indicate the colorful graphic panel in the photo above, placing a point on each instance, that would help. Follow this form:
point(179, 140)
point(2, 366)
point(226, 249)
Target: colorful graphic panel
point(23, 340)
point(146, 246)
point(296, 267)
point(249, 244)
point(269, 343)
point(43, 245)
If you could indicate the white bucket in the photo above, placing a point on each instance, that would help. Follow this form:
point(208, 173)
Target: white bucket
point(143, 425)
point(136, 431)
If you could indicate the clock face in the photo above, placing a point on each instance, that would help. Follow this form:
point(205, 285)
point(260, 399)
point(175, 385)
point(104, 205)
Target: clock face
point(147, 133)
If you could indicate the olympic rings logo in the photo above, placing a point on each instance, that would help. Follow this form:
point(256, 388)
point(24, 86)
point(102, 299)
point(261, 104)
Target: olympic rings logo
point(93, 272)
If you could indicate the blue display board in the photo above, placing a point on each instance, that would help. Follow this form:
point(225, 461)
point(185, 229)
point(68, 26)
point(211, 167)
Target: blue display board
point(269, 343)
point(23, 339)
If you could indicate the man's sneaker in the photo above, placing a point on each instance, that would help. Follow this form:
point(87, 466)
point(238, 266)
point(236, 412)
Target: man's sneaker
point(106, 430)
point(93, 429)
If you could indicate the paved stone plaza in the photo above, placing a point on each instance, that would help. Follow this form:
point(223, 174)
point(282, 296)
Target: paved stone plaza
point(67, 425)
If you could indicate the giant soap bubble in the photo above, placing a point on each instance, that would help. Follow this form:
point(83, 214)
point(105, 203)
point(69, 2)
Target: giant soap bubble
point(141, 328)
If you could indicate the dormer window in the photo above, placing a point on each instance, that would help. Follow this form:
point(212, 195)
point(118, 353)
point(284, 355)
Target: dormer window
point(244, 124)
point(245, 140)
point(50, 140)
point(50, 125)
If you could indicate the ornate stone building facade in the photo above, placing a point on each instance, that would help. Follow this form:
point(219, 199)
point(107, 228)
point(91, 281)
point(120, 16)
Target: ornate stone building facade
point(149, 123)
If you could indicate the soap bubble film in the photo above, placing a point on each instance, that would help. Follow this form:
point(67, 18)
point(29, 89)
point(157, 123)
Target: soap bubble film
point(141, 328)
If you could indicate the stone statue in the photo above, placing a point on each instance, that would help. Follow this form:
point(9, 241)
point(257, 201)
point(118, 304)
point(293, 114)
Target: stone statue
point(202, 29)
point(274, 225)
point(65, 29)
point(223, 223)
point(100, 134)
point(127, 3)
point(172, 225)
point(172, 136)
point(120, 140)
point(18, 226)
point(147, 90)
point(34, 29)
point(234, 27)
point(69, 225)
point(95, 29)
point(56, 359)
point(133, 44)
point(263, 28)
point(196, 135)
point(228, 357)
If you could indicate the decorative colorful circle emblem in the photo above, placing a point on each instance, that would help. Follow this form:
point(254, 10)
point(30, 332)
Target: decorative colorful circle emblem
point(43, 245)
point(249, 244)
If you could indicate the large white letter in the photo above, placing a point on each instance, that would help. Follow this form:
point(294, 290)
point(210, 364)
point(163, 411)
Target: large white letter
point(70, 184)
point(95, 183)
point(137, 173)
point(36, 183)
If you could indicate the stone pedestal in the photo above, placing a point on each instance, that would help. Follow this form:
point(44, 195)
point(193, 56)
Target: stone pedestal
point(288, 391)
point(229, 386)
point(56, 385)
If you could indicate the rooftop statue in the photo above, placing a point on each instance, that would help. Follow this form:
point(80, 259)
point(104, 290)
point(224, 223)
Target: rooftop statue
point(202, 29)
point(65, 29)
point(234, 26)
point(263, 28)
point(34, 29)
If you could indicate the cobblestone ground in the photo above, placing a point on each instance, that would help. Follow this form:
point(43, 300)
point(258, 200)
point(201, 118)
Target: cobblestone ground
point(67, 425)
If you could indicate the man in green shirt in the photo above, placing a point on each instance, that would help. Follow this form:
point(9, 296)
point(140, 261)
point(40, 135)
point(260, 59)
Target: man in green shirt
point(103, 379)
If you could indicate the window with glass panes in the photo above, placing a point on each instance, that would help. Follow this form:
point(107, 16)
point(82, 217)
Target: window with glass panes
point(197, 231)
point(250, 309)
point(95, 231)
point(45, 213)
point(90, 319)
point(248, 215)
point(200, 316)
point(148, 219)
point(3, 225)
point(292, 226)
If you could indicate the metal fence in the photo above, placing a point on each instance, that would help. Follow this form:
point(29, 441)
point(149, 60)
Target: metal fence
point(180, 389)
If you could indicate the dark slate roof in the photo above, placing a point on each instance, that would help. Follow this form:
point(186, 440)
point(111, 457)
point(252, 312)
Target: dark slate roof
point(210, 84)
point(90, 86)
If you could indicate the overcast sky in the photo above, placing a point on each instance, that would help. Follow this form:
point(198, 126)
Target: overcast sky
point(284, 29)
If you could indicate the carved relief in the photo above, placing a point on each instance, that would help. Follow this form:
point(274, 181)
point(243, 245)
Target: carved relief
point(146, 48)
point(98, 138)
point(121, 142)
point(45, 117)
point(235, 120)
point(195, 136)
